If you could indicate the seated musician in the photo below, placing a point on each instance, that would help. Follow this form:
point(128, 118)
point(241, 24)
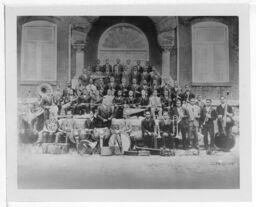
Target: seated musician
point(155, 86)
point(85, 76)
point(107, 68)
point(143, 101)
point(155, 104)
point(104, 114)
point(96, 100)
point(135, 75)
point(146, 87)
point(130, 100)
point(115, 138)
point(89, 125)
point(135, 88)
point(182, 116)
point(221, 115)
point(109, 97)
point(112, 85)
point(83, 105)
point(118, 103)
point(208, 115)
point(48, 133)
point(187, 95)
point(100, 84)
point(148, 130)
point(166, 101)
point(124, 87)
point(166, 127)
point(66, 130)
point(91, 88)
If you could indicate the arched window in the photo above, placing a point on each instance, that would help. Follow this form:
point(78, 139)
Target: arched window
point(39, 51)
point(210, 53)
point(124, 41)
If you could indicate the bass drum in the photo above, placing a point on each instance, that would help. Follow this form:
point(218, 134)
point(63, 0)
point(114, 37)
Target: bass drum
point(101, 133)
point(126, 142)
point(222, 142)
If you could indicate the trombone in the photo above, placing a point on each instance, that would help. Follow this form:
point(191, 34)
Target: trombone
point(175, 127)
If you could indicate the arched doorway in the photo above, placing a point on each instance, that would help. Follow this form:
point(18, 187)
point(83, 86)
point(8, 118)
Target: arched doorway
point(124, 41)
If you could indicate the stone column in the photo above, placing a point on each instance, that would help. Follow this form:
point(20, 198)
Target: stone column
point(80, 50)
point(166, 41)
point(166, 54)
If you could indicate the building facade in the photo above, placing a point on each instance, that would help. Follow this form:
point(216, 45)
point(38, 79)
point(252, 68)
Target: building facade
point(200, 51)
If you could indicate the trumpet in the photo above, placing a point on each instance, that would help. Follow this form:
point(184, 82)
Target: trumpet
point(176, 119)
point(208, 113)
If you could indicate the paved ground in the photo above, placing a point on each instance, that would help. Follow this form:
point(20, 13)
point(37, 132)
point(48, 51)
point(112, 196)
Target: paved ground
point(71, 171)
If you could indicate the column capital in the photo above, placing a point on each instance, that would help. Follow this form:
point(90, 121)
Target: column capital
point(79, 47)
point(166, 40)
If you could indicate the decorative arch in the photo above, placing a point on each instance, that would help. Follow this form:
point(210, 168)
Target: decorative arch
point(124, 41)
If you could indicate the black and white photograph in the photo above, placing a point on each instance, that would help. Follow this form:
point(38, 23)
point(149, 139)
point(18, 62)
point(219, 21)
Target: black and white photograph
point(127, 101)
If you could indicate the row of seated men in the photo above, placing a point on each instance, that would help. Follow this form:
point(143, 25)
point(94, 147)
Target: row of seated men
point(119, 71)
point(189, 118)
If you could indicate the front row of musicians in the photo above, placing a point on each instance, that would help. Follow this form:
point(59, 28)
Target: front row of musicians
point(186, 120)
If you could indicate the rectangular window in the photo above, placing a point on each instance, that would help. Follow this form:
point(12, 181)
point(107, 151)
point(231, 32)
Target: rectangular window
point(39, 52)
point(210, 56)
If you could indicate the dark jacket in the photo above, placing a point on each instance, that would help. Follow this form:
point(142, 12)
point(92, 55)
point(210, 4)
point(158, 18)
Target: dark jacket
point(165, 127)
point(210, 120)
point(148, 125)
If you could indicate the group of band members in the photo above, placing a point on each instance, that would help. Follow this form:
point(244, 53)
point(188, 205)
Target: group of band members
point(105, 91)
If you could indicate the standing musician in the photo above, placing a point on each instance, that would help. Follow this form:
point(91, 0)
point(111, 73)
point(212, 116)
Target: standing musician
point(182, 120)
point(46, 102)
point(130, 100)
point(155, 104)
point(145, 75)
point(107, 68)
point(49, 130)
point(200, 102)
point(148, 66)
point(148, 128)
point(166, 127)
point(208, 115)
point(97, 65)
point(117, 71)
point(118, 103)
point(135, 75)
point(128, 66)
point(127, 76)
point(139, 67)
point(104, 114)
point(225, 110)
point(194, 115)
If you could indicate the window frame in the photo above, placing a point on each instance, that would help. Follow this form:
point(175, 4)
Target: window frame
point(38, 24)
point(209, 24)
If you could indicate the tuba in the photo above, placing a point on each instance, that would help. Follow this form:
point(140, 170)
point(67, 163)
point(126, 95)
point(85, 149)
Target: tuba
point(44, 88)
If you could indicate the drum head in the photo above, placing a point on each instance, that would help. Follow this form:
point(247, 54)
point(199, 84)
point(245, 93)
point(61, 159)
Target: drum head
point(222, 142)
point(126, 142)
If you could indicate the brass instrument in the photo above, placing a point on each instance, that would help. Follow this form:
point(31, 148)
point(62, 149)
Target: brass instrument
point(44, 88)
point(176, 120)
point(206, 119)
